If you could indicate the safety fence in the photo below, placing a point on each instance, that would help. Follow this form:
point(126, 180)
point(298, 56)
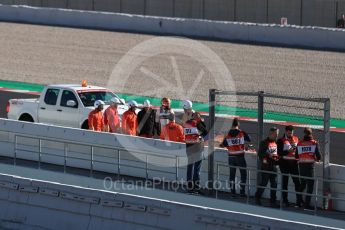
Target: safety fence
point(264, 110)
point(318, 197)
point(116, 163)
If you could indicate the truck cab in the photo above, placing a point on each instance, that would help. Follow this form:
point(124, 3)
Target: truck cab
point(63, 105)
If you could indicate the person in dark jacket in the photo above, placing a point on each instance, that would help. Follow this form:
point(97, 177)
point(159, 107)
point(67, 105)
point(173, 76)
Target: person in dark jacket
point(287, 146)
point(147, 125)
point(268, 155)
point(341, 22)
point(234, 141)
point(307, 153)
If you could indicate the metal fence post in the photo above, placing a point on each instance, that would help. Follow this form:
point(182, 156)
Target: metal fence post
point(260, 117)
point(217, 180)
point(173, 8)
point(326, 147)
point(146, 167)
point(336, 12)
point(267, 2)
point(260, 131)
point(91, 163)
point(301, 13)
point(145, 7)
point(235, 10)
point(15, 150)
point(39, 153)
point(177, 165)
point(118, 164)
point(212, 114)
point(316, 195)
point(65, 158)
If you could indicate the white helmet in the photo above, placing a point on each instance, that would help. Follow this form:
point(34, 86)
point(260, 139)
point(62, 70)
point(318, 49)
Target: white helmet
point(147, 104)
point(187, 104)
point(132, 104)
point(98, 103)
point(115, 100)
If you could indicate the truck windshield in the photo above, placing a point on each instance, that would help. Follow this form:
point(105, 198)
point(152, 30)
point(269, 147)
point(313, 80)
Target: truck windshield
point(88, 98)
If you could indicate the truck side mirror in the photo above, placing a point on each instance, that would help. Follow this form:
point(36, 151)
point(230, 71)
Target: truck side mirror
point(71, 103)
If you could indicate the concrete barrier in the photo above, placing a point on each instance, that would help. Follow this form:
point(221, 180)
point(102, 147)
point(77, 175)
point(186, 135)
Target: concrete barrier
point(310, 37)
point(298, 12)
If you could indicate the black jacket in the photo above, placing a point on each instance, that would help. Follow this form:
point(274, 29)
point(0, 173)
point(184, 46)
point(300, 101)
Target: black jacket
point(147, 122)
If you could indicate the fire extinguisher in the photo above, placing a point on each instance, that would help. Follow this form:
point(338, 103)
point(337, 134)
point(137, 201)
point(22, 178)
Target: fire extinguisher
point(328, 201)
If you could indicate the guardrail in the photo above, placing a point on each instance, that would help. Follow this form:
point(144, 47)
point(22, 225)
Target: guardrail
point(101, 152)
point(117, 150)
point(300, 36)
point(315, 194)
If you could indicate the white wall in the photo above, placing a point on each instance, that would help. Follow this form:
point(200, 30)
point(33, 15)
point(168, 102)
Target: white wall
point(133, 162)
point(312, 37)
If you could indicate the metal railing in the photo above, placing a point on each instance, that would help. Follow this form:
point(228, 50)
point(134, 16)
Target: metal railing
point(117, 151)
point(250, 171)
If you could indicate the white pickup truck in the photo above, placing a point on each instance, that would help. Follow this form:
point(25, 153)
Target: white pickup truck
point(63, 105)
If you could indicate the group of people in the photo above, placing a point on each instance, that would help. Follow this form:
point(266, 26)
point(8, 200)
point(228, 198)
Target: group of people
point(293, 157)
point(150, 122)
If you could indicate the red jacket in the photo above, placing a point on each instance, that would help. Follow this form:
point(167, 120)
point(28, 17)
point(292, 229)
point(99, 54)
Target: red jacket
point(112, 119)
point(172, 132)
point(129, 123)
point(95, 120)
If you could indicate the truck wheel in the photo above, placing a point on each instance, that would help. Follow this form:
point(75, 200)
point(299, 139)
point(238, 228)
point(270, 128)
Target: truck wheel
point(85, 125)
point(26, 117)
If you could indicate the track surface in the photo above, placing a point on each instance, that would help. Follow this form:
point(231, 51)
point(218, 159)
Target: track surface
point(337, 156)
point(43, 54)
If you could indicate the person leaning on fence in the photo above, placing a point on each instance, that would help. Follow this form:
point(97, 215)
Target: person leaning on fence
point(268, 156)
point(307, 153)
point(287, 146)
point(195, 132)
point(234, 141)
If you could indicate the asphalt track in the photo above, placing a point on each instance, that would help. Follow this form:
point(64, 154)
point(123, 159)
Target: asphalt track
point(46, 54)
point(337, 138)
